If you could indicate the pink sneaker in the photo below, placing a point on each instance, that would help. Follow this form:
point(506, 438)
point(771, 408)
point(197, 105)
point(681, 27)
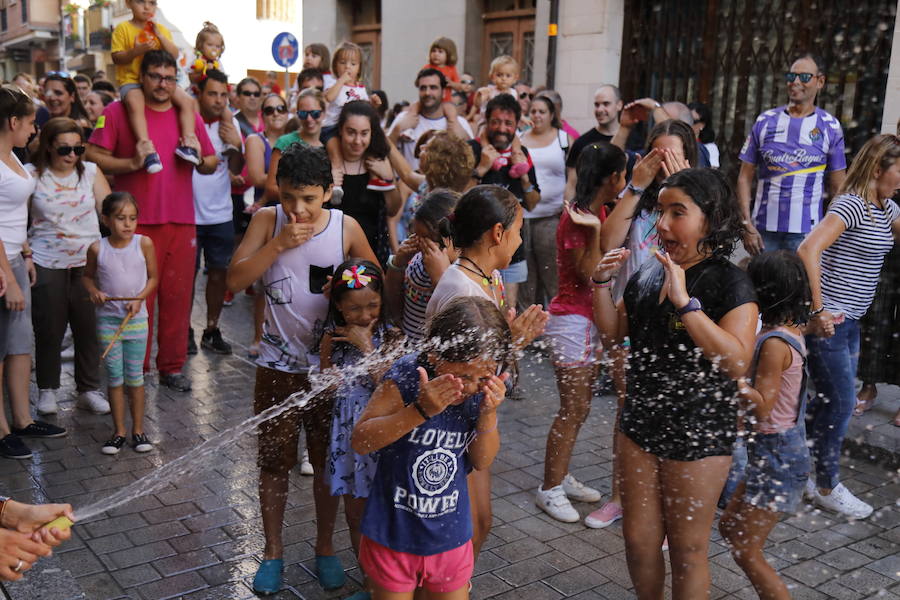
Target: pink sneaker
point(665, 544)
point(604, 516)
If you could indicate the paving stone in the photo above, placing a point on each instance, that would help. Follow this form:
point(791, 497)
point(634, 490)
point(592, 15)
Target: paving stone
point(172, 587)
point(137, 575)
point(142, 554)
point(100, 587)
point(523, 572)
point(573, 581)
point(81, 562)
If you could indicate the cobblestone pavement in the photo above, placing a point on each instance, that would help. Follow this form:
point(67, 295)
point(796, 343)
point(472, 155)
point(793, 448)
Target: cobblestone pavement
point(201, 536)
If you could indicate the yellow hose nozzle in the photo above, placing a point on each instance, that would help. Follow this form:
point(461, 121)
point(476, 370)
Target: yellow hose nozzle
point(61, 523)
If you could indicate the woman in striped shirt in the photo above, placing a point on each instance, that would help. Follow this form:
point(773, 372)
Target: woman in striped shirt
point(843, 256)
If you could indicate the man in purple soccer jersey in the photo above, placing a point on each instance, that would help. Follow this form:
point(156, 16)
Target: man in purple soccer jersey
point(790, 149)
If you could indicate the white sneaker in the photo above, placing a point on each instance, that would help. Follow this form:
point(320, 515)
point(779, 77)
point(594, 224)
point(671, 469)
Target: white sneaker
point(555, 503)
point(576, 490)
point(46, 404)
point(306, 467)
point(93, 401)
point(68, 353)
point(841, 500)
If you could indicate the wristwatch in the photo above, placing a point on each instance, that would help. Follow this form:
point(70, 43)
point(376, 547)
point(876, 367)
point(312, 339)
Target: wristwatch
point(692, 305)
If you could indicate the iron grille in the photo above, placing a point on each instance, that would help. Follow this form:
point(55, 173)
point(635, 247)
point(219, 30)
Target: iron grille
point(731, 54)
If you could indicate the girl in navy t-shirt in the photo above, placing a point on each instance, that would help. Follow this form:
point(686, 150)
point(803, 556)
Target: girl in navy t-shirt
point(432, 419)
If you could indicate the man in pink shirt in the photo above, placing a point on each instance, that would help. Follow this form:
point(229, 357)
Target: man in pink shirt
point(165, 201)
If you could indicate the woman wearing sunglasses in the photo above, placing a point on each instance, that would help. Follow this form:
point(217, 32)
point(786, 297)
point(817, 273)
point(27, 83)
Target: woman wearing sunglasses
point(310, 114)
point(64, 223)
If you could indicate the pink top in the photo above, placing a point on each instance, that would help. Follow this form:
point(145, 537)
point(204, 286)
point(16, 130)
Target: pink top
point(784, 413)
point(574, 295)
point(570, 130)
point(167, 196)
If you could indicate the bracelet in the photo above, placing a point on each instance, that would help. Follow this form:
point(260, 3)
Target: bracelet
point(487, 431)
point(420, 410)
point(637, 191)
point(28, 254)
point(3, 502)
point(816, 312)
point(529, 190)
point(600, 283)
point(392, 265)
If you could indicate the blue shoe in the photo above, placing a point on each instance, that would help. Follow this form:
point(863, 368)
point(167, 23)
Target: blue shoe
point(361, 595)
point(330, 572)
point(268, 577)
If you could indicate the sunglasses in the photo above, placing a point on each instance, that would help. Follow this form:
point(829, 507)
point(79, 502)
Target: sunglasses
point(66, 150)
point(248, 93)
point(65, 74)
point(467, 81)
point(302, 114)
point(271, 110)
point(804, 77)
point(528, 95)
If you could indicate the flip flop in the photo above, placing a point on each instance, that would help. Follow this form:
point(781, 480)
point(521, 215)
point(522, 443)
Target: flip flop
point(863, 406)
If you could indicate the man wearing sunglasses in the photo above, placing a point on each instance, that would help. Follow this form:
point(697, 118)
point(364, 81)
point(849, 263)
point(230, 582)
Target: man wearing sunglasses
point(213, 206)
point(432, 114)
point(165, 201)
point(790, 149)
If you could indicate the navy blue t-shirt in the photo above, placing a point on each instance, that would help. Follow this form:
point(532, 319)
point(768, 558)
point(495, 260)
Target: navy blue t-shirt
point(419, 500)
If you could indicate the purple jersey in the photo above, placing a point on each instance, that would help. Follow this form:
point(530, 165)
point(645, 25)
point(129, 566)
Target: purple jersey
point(792, 155)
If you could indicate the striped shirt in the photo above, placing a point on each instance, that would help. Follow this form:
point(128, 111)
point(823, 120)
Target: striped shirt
point(851, 266)
point(792, 155)
point(417, 290)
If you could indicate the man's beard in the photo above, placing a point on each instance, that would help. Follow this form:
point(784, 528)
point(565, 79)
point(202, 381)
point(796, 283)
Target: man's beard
point(493, 138)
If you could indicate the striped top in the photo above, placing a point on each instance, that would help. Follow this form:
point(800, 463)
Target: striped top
point(851, 266)
point(417, 290)
point(792, 155)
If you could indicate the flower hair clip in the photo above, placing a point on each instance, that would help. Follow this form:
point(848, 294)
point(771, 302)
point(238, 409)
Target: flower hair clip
point(355, 277)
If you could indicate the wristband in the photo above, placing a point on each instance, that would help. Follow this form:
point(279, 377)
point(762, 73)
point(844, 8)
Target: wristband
point(604, 282)
point(420, 410)
point(817, 312)
point(4, 500)
point(692, 305)
point(638, 191)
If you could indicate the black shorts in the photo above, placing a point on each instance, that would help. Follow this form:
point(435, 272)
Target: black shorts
point(216, 242)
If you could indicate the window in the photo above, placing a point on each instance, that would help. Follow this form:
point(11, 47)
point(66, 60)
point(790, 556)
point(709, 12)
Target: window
point(24, 11)
point(277, 10)
point(366, 33)
point(509, 29)
point(3, 24)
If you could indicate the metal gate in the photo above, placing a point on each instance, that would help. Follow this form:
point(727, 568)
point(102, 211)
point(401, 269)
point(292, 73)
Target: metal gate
point(731, 55)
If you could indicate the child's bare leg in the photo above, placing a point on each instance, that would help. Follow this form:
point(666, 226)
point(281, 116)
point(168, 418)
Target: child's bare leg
point(136, 394)
point(134, 106)
point(413, 108)
point(186, 118)
point(117, 408)
point(333, 147)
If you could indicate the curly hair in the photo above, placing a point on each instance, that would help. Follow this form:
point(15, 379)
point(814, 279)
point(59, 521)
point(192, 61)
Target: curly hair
point(303, 165)
point(710, 190)
point(506, 102)
point(447, 162)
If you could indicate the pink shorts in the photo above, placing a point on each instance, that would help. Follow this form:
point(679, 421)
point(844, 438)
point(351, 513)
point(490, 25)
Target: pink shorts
point(399, 572)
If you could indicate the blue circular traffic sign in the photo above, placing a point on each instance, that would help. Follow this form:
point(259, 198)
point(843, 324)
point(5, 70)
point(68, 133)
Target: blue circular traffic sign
point(285, 49)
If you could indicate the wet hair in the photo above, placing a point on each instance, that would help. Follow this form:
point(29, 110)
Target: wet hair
point(53, 128)
point(502, 60)
point(476, 212)
point(303, 165)
point(448, 162)
point(14, 103)
point(307, 74)
point(378, 144)
point(248, 81)
point(595, 164)
point(101, 85)
point(113, 201)
point(707, 134)
point(782, 288)
point(431, 72)
point(469, 328)
point(448, 46)
point(503, 102)
point(711, 192)
point(344, 48)
point(79, 78)
point(340, 288)
point(816, 58)
point(675, 128)
point(208, 30)
point(436, 206)
point(312, 93)
point(215, 75)
point(157, 58)
point(77, 110)
point(551, 108)
point(879, 153)
point(320, 50)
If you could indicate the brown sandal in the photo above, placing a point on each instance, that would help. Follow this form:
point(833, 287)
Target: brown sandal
point(863, 406)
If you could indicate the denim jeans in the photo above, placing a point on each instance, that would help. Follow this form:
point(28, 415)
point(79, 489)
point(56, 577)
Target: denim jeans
point(780, 240)
point(832, 364)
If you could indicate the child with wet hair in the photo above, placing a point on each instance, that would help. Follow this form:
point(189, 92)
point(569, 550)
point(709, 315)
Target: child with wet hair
point(778, 458)
point(432, 420)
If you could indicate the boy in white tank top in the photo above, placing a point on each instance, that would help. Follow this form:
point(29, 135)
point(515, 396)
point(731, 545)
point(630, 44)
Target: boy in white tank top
point(292, 248)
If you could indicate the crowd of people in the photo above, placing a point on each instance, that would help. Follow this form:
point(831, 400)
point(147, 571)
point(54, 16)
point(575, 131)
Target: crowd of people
point(361, 229)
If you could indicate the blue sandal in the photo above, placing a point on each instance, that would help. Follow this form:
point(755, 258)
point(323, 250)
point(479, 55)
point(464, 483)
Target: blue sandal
point(268, 577)
point(330, 572)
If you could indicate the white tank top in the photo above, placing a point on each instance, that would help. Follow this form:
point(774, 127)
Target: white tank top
point(295, 304)
point(14, 192)
point(121, 273)
point(550, 170)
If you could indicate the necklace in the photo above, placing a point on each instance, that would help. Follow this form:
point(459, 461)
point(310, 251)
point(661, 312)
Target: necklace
point(486, 281)
point(359, 167)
